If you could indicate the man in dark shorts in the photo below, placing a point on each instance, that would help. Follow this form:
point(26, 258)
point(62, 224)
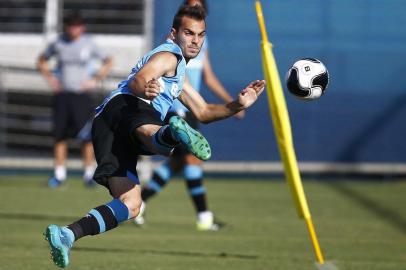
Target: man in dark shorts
point(130, 122)
point(73, 108)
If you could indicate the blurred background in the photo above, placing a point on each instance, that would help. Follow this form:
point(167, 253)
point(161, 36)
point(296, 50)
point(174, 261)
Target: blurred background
point(356, 127)
point(356, 131)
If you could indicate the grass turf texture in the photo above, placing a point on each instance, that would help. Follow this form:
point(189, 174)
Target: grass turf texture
point(360, 225)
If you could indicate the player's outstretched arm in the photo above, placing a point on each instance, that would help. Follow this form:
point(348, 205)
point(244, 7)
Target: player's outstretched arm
point(207, 113)
point(214, 84)
point(145, 83)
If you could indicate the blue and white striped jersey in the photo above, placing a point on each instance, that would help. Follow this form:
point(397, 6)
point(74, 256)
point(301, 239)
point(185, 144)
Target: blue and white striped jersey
point(171, 87)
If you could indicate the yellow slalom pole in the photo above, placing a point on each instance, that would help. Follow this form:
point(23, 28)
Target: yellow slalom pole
point(281, 122)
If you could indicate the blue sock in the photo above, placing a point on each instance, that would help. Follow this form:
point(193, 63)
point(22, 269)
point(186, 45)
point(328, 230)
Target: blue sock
point(194, 182)
point(159, 179)
point(163, 140)
point(100, 219)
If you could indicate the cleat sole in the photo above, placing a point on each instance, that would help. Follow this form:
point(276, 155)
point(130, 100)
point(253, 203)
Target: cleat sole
point(57, 252)
point(198, 147)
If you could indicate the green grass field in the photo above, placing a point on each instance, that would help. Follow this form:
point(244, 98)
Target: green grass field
point(360, 225)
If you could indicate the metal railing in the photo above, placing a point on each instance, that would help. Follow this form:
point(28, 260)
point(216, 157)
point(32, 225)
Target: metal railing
point(26, 116)
point(22, 16)
point(102, 16)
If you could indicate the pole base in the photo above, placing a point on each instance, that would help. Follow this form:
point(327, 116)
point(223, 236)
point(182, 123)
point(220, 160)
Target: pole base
point(326, 266)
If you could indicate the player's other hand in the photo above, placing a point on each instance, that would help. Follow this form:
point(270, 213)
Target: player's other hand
point(250, 94)
point(152, 89)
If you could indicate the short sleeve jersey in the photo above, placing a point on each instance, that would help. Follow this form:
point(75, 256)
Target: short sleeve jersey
point(75, 60)
point(171, 87)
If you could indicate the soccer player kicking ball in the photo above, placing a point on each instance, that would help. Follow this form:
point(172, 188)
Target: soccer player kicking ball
point(130, 122)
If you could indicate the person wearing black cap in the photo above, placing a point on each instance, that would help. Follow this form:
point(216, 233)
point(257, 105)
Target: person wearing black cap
point(71, 83)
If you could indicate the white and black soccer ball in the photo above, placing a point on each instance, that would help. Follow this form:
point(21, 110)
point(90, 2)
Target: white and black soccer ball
point(307, 78)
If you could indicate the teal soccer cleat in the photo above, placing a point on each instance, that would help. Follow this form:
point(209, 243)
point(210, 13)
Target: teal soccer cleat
point(60, 245)
point(192, 139)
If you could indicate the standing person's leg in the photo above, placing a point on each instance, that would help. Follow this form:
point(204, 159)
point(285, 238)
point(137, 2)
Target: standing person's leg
point(89, 164)
point(82, 111)
point(161, 176)
point(193, 174)
point(60, 125)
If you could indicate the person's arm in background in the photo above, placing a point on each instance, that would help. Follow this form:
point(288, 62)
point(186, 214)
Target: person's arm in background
point(104, 69)
point(107, 64)
point(99, 75)
point(213, 83)
point(44, 68)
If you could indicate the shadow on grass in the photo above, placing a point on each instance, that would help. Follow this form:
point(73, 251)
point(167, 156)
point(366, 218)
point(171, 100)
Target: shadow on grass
point(392, 217)
point(28, 216)
point(167, 252)
point(21, 216)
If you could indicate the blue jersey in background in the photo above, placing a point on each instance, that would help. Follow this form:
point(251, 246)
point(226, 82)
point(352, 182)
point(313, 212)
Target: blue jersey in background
point(194, 72)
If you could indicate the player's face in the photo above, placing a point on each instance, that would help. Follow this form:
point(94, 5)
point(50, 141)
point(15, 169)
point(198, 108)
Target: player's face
point(190, 36)
point(75, 31)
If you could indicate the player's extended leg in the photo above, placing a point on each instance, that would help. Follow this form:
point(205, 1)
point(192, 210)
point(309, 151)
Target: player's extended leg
point(125, 205)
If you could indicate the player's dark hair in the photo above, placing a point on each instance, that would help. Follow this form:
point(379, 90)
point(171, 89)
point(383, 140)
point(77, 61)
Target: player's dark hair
point(74, 18)
point(203, 2)
point(195, 12)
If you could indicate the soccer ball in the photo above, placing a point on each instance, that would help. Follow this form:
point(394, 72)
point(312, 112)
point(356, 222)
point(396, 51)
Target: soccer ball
point(307, 78)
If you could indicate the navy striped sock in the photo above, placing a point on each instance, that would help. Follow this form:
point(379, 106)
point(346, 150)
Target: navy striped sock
point(100, 219)
point(164, 141)
point(194, 182)
point(159, 179)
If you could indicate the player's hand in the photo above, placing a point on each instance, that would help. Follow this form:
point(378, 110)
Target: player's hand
point(55, 84)
point(152, 89)
point(251, 93)
point(89, 85)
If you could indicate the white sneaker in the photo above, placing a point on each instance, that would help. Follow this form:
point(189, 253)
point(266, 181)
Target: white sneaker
point(207, 222)
point(139, 220)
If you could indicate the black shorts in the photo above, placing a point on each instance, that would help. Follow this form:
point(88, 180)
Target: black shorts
point(72, 116)
point(181, 150)
point(115, 147)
